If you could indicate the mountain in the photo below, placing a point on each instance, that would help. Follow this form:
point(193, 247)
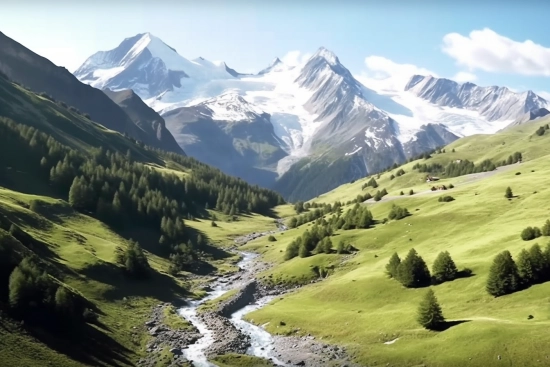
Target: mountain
point(27, 68)
point(320, 120)
point(151, 68)
point(231, 134)
point(493, 103)
point(144, 117)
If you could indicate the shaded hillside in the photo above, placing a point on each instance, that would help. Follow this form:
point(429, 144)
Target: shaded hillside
point(39, 74)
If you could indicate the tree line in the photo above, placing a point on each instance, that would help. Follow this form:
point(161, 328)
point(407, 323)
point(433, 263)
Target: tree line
point(125, 193)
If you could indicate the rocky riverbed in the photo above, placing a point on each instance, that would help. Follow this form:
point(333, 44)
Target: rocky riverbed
point(226, 332)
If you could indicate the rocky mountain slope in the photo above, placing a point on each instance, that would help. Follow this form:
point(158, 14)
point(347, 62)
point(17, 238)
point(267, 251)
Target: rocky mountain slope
point(39, 74)
point(144, 117)
point(311, 121)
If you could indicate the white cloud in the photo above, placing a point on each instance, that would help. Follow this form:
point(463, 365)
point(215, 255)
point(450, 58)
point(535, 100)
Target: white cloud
point(543, 94)
point(296, 58)
point(463, 76)
point(385, 74)
point(489, 51)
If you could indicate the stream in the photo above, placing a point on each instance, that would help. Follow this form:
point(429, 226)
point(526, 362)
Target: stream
point(261, 340)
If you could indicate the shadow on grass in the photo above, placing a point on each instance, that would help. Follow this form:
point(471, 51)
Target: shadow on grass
point(449, 324)
point(86, 344)
point(159, 286)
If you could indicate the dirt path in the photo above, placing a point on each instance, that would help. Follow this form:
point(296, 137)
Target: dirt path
point(460, 180)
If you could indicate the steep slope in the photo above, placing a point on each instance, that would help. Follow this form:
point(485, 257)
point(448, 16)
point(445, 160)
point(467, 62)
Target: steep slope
point(144, 117)
point(27, 68)
point(231, 134)
point(494, 103)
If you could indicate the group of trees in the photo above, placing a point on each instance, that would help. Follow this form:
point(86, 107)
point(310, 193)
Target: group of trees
point(125, 193)
point(542, 129)
point(315, 211)
point(508, 276)
point(380, 194)
point(445, 199)
point(398, 212)
point(530, 233)
point(317, 240)
point(370, 183)
point(465, 167)
point(400, 172)
point(31, 293)
point(413, 272)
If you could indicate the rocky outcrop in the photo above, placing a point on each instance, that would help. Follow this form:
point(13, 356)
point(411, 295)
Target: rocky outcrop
point(243, 298)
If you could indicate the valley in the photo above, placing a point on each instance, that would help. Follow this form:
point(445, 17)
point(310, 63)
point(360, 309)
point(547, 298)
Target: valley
point(157, 211)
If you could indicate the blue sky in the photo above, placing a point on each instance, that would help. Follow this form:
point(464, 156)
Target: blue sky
point(370, 37)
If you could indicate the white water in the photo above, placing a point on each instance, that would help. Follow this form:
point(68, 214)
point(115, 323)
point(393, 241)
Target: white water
point(261, 340)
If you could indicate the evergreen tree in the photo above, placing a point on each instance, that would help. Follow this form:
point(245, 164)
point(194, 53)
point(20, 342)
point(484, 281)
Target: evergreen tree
point(430, 315)
point(545, 231)
point(444, 268)
point(412, 271)
point(135, 261)
point(503, 275)
point(525, 267)
point(303, 251)
point(393, 266)
point(411, 192)
point(64, 304)
point(541, 268)
point(292, 250)
point(341, 248)
point(508, 194)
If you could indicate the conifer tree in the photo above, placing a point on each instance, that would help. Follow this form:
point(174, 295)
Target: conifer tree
point(503, 275)
point(444, 268)
point(430, 315)
point(292, 250)
point(393, 266)
point(508, 194)
point(545, 230)
point(412, 271)
point(525, 267)
point(303, 251)
point(541, 267)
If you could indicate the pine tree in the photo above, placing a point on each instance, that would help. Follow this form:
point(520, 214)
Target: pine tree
point(64, 303)
point(541, 268)
point(412, 271)
point(303, 251)
point(525, 267)
point(545, 231)
point(341, 248)
point(503, 275)
point(430, 315)
point(508, 194)
point(292, 250)
point(393, 266)
point(411, 192)
point(444, 268)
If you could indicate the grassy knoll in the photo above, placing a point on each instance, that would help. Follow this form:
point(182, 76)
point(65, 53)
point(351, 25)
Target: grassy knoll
point(357, 305)
point(240, 360)
point(211, 305)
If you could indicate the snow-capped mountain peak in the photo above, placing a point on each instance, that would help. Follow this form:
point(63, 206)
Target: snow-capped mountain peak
point(149, 66)
point(493, 103)
point(275, 66)
point(328, 55)
point(230, 106)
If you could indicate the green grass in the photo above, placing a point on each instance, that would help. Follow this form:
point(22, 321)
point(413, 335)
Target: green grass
point(226, 231)
point(212, 304)
point(83, 250)
point(173, 320)
point(240, 360)
point(358, 306)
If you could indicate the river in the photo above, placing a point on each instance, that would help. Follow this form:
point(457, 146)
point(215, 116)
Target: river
point(261, 341)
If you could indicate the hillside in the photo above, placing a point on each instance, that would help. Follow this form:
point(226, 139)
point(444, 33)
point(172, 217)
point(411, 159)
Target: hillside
point(358, 306)
point(23, 66)
point(92, 235)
